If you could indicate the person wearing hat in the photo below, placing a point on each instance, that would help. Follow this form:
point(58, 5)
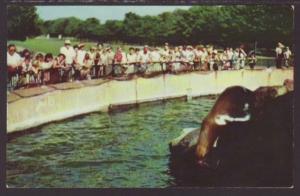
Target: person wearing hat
point(68, 51)
point(92, 52)
point(79, 60)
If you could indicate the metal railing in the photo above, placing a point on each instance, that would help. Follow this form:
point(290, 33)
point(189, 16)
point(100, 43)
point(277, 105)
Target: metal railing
point(26, 79)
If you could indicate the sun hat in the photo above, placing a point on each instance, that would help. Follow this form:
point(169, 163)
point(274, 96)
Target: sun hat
point(280, 45)
point(81, 45)
point(67, 41)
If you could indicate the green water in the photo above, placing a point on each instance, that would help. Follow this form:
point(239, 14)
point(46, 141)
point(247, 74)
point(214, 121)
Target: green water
point(120, 149)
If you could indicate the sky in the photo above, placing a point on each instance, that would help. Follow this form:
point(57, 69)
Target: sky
point(103, 13)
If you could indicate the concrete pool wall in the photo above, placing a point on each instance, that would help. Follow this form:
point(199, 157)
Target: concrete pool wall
point(28, 108)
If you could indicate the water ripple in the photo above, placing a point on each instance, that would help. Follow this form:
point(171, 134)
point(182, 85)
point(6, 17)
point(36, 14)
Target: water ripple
point(120, 149)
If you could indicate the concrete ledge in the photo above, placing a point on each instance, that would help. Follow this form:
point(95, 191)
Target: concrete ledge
point(11, 97)
point(30, 92)
point(94, 82)
point(67, 85)
point(29, 108)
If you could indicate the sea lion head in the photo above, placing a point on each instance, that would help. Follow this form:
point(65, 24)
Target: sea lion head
point(236, 107)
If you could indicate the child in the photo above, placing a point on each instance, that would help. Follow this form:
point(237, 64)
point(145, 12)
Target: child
point(86, 68)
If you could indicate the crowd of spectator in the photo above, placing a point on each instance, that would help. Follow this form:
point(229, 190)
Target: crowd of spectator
point(75, 63)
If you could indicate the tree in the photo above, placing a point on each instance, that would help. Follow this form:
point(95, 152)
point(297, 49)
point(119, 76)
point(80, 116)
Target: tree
point(90, 28)
point(113, 30)
point(22, 22)
point(228, 25)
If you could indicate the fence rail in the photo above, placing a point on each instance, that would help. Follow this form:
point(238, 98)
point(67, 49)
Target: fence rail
point(26, 79)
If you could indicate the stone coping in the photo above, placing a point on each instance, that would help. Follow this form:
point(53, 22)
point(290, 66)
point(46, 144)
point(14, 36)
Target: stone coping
point(67, 85)
point(94, 82)
point(30, 92)
point(11, 97)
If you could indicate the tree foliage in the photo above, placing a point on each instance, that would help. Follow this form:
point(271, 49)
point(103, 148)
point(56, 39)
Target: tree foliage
point(22, 22)
point(221, 25)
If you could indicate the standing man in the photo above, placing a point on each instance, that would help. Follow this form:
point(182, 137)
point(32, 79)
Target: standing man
point(68, 51)
point(190, 57)
point(14, 63)
point(14, 60)
point(279, 55)
point(110, 60)
point(155, 59)
point(79, 60)
point(131, 61)
point(242, 57)
point(144, 59)
point(287, 55)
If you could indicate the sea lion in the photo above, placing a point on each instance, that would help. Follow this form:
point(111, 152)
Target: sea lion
point(239, 146)
point(236, 105)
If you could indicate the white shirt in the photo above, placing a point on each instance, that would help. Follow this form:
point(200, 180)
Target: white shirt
point(184, 55)
point(69, 53)
point(144, 58)
point(13, 60)
point(190, 55)
point(46, 65)
point(131, 58)
point(287, 54)
point(278, 50)
point(27, 67)
point(229, 54)
point(155, 56)
point(198, 53)
point(110, 57)
point(92, 55)
point(104, 59)
point(80, 56)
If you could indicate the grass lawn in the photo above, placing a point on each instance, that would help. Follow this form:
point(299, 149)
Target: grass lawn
point(53, 45)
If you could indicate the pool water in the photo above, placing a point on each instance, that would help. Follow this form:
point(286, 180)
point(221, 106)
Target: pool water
point(104, 150)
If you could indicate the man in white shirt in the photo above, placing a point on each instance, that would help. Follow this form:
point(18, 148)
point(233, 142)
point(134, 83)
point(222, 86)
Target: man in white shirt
point(131, 60)
point(144, 59)
point(14, 63)
point(13, 58)
point(279, 54)
point(79, 60)
point(190, 57)
point(69, 52)
point(287, 54)
point(92, 52)
point(230, 55)
point(110, 60)
point(80, 55)
point(155, 58)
